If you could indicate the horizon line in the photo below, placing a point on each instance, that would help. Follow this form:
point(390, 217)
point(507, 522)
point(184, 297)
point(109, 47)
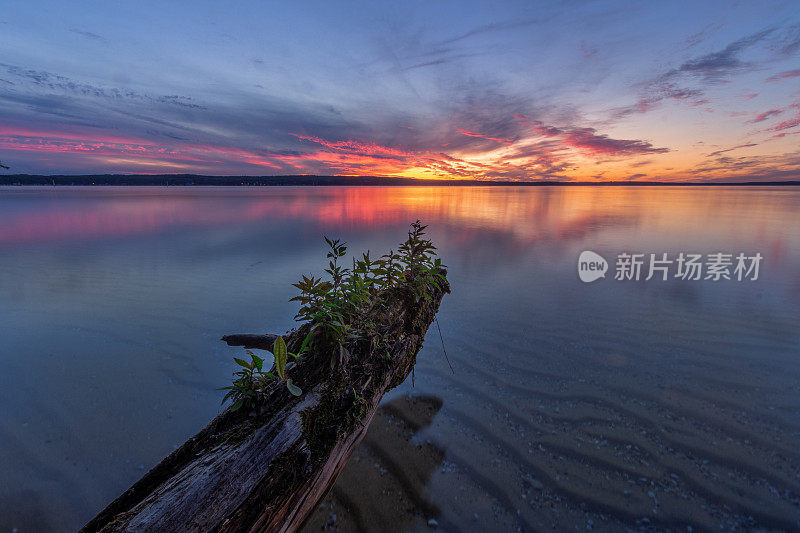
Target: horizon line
point(310, 180)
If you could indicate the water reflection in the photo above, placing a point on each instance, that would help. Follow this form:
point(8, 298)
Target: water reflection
point(571, 403)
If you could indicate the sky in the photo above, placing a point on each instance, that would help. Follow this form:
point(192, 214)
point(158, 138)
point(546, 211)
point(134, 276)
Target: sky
point(553, 91)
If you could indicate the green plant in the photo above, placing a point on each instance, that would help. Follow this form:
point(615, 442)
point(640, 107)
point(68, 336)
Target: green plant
point(282, 366)
point(334, 305)
point(417, 255)
point(250, 380)
point(337, 307)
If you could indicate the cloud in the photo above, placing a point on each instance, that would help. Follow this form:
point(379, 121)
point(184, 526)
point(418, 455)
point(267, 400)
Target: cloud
point(761, 117)
point(790, 123)
point(717, 66)
point(746, 168)
point(719, 152)
point(787, 124)
point(182, 101)
point(784, 75)
point(587, 51)
point(791, 40)
point(492, 27)
point(654, 93)
point(784, 134)
point(476, 131)
point(88, 34)
point(588, 140)
point(708, 69)
point(481, 136)
point(54, 82)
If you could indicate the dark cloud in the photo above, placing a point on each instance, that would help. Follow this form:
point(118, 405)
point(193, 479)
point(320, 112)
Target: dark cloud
point(712, 68)
point(696, 38)
point(587, 139)
point(441, 61)
point(718, 152)
point(791, 40)
point(182, 101)
point(88, 34)
point(56, 82)
point(653, 94)
point(492, 27)
point(717, 66)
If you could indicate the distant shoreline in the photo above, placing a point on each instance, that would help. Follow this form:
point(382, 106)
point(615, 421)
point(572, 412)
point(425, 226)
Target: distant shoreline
point(191, 180)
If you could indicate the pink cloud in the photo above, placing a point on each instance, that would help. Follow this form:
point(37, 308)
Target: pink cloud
point(784, 75)
point(481, 136)
point(761, 117)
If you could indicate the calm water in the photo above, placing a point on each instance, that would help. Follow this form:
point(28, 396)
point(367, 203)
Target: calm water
point(661, 403)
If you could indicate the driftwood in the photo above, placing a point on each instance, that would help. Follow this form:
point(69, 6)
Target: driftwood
point(266, 470)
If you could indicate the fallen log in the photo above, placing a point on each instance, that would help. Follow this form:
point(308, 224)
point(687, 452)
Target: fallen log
point(266, 469)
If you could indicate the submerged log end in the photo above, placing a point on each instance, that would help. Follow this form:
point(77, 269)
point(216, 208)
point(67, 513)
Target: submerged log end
point(248, 341)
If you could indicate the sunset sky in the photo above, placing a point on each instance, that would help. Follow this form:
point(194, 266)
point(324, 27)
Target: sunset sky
point(513, 90)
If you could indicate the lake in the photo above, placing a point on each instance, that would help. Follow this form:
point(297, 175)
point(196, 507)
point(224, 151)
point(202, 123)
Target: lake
point(617, 403)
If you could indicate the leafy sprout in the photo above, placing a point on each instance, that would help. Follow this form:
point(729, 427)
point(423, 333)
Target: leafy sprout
point(250, 381)
point(336, 304)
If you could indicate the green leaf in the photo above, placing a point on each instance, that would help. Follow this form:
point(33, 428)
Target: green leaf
point(307, 341)
point(241, 362)
point(259, 363)
point(294, 389)
point(279, 350)
point(237, 404)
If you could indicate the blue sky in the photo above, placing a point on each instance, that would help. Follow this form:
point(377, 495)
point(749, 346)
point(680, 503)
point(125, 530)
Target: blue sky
point(511, 90)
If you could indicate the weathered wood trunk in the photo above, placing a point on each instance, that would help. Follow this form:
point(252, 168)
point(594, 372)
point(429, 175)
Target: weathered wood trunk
point(267, 470)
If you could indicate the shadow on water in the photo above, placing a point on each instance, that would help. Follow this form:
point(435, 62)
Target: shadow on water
point(382, 488)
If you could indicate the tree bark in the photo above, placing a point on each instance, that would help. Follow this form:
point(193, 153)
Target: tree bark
point(267, 469)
